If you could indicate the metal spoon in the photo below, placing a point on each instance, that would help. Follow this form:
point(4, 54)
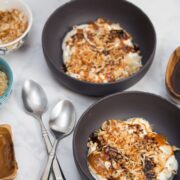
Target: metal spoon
point(36, 103)
point(62, 122)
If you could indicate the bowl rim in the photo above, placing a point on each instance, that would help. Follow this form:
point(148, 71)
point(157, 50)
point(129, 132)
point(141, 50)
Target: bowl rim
point(149, 61)
point(10, 80)
point(30, 21)
point(76, 159)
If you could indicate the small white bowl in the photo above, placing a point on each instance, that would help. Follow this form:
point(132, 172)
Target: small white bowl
point(22, 6)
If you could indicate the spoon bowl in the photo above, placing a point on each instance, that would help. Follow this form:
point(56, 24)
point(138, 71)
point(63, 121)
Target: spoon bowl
point(34, 98)
point(62, 119)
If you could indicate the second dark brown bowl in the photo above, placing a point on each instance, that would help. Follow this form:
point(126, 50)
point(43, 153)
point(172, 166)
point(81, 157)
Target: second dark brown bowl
point(164, 116)
point(130, 17)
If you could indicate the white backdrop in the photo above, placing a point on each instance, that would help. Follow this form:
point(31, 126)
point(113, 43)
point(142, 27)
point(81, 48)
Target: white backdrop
point(29, 63)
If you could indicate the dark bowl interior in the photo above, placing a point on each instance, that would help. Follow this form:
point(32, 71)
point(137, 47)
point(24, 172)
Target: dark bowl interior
point(163, 115)
point(78, 12)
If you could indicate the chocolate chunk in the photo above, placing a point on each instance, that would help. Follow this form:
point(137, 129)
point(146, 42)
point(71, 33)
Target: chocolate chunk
point(63, 68)
point(136, 47)
point(105, 52)
point(118, 33)
point(93, 137)
point(113, 153)
point(148, 169)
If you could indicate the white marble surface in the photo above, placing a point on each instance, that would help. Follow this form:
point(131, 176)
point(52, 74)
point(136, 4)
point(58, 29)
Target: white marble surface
point(29, 63)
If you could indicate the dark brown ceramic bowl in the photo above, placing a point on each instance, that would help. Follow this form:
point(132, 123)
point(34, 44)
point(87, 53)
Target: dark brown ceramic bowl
point(78, 12)
point(164, 116)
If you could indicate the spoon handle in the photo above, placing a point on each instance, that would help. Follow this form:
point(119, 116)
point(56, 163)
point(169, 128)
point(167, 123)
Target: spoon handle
point(47, 171)
point(58, 173)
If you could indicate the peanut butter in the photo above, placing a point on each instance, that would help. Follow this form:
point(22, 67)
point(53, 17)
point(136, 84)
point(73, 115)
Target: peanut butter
point(7, 159)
